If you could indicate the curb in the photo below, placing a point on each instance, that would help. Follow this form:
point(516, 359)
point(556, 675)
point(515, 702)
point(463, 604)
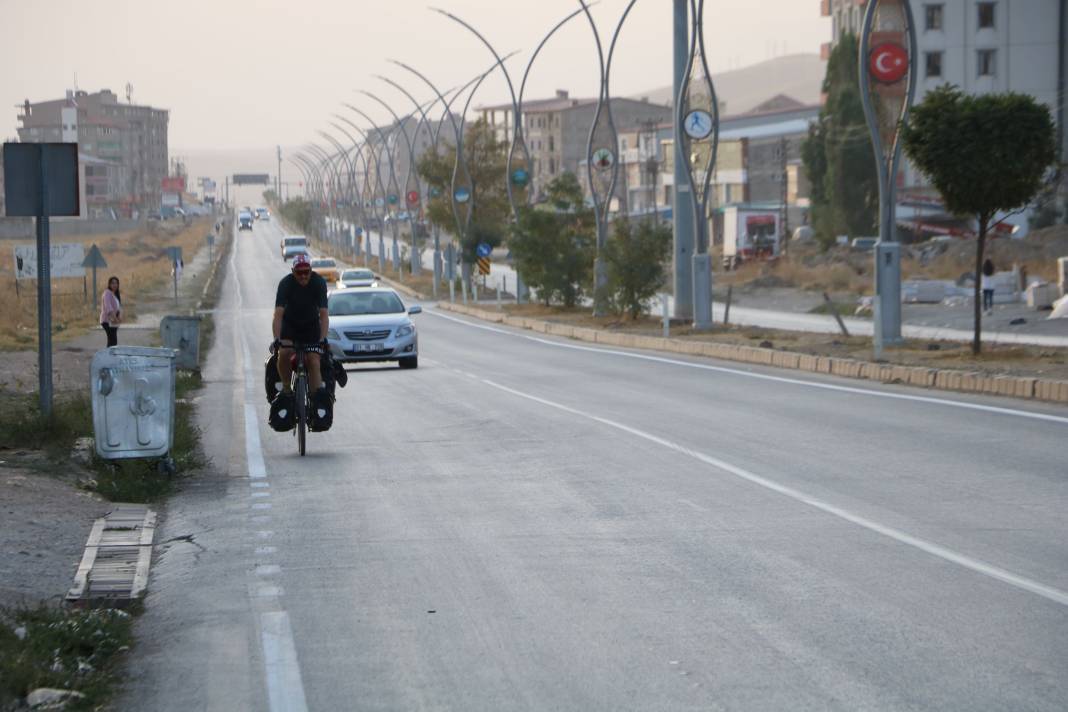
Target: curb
point(215, 267)
point(1026, 387)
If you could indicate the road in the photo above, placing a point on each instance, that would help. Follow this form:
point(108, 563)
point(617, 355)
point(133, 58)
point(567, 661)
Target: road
point(528, 523)
point(1053, 333)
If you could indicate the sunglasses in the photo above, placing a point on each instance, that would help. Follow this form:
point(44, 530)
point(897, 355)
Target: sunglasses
point(302, 272)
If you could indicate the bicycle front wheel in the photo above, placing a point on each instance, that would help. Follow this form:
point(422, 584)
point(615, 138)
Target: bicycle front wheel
point(302, 412)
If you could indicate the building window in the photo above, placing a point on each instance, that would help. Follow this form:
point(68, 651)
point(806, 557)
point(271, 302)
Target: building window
point(934, 65)
point(988, 59)
point(933, 17)
point(986, 15)
point(552, 166)
point(552, 147)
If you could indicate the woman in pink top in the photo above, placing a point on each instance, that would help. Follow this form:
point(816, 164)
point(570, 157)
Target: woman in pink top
point(111, 311)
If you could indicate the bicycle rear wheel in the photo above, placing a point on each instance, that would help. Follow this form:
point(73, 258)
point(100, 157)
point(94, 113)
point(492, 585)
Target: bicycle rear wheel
point(302, 411)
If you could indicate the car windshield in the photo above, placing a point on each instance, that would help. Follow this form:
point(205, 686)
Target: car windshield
point(358, 274)
point(295, 241)
point(323, 263)
point(357, 303)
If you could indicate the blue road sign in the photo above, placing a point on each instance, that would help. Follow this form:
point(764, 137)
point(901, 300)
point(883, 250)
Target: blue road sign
point(393, 199)
point(520, 177)
point(462, 195)
point(484, 249)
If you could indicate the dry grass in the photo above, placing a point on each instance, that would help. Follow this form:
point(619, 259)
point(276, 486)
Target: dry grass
point(137, 258)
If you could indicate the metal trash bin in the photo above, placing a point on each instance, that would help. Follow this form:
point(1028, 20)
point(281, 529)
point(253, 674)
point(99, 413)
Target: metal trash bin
point(182, 333)
point(133, 402)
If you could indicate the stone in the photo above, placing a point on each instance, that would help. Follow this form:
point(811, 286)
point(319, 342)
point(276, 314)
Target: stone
point(51, 698)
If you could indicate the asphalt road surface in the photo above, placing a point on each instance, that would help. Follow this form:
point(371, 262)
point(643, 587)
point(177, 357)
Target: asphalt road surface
point(529, 523)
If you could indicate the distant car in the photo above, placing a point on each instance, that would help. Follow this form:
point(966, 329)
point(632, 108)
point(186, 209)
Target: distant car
point(263, 214)
point(371, 324)
point(864, 244)
point(325, 267)
point(357, 278)
point(293, 250)
point(244, 221)
point(293, 241)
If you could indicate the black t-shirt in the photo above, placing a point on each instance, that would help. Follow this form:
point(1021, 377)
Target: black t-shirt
point(302, 304)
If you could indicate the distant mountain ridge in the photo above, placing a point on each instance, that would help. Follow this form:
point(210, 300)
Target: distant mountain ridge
point(798, 76)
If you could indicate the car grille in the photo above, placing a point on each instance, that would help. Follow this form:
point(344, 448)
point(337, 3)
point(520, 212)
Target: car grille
point(367, 335)
point(369, 354)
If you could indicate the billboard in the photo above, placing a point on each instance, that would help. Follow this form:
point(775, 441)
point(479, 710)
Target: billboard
point(67, 259)
point(23, 164)
point(170, 200)
point(173, 184)
point(251, 179)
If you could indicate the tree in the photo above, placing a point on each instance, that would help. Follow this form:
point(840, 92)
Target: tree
point(298, 213)
point(635, 256)
point(837, 155)
point(487, 165)
point(554, 246)
point(985, 154)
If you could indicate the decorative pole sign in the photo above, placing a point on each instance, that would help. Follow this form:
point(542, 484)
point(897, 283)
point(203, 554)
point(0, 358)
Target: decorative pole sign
point(887, 65)
point(697, 130)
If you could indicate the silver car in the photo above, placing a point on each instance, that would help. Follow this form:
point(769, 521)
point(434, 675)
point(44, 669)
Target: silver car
point(357, 278)
point(371, 324)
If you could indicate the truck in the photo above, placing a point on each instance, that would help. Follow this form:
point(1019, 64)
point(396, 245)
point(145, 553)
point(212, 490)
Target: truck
point(749, 233)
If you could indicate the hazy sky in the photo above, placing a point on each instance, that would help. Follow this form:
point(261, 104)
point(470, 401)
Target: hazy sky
point(252, 73)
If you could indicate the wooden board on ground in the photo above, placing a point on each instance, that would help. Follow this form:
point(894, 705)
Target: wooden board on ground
point(114, 567)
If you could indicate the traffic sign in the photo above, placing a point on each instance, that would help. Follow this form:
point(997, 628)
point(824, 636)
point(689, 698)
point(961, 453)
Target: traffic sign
point(698, 124)
point(520, 177)
point(393, 199)
point(603, 159)
point(484, 249)
point(889, 63)
point(462, 195)
point(379, 202)
point(483, 265)
point(95, 258)
point(413, 197)
point(435, 192)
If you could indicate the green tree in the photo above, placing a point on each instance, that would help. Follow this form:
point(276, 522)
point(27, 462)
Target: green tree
point(635, 256)
point(298, 213)
point(554, 245)
point(487, 164)
point(985, 154)
point(837, 155)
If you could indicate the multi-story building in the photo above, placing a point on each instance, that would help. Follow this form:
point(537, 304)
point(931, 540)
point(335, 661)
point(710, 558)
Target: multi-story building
point(758, 163)
point(981, 46)
point(556, 131)
point(123, 147)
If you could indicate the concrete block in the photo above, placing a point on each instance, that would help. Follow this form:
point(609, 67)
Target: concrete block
point(808, 362)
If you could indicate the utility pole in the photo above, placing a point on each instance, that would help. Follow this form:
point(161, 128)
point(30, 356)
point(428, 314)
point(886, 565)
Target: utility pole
point(279, 177)
point(784, 216)
point(683, 249)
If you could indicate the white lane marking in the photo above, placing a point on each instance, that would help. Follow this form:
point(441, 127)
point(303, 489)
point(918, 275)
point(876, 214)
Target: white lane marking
point(285, 689)
point(981, 567)
point(259, 494)
point(268, 570)
point(259, 484)
point(766, 377)
point(265, 550)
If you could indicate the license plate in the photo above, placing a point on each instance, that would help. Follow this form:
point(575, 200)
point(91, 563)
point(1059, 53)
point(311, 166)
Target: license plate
point(369, 347)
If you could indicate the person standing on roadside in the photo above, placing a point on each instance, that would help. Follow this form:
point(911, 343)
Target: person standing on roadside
point(988, 287)
point(111, 311)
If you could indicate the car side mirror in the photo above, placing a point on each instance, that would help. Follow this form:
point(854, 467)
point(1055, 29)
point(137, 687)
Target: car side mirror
point(415, 309)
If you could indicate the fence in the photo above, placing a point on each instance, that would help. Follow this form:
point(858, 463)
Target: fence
point(23, 229)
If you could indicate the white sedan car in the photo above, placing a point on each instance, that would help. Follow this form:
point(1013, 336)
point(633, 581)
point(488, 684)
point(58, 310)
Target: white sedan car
point(371, 324)
point(357, 278)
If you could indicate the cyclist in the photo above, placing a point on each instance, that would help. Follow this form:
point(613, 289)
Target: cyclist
point(300, 315)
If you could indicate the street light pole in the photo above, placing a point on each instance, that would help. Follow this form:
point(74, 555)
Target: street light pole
point(382, 186)
point(411, 182)
point(682, 210)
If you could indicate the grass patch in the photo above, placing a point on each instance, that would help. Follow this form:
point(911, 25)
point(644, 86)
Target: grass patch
point(60, 648)
point(23, 427)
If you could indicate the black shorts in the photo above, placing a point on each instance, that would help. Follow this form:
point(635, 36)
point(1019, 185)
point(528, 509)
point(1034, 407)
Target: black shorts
point(300, 333)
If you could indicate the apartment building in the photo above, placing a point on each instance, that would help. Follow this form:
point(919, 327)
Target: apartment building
point(557, 130)
point(981, 46)
point(122, 147)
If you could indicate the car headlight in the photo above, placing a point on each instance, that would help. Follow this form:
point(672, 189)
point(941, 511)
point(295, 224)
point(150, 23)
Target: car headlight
point(332, 334)
point(405, 330)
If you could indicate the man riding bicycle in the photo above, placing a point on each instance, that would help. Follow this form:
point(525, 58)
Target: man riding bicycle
point(301, 316)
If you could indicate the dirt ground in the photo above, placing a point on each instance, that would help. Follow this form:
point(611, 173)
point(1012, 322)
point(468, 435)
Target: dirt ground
point(46, 516)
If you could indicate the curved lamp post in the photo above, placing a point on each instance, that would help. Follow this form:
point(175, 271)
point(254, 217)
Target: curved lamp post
point(383, 201)
point(330, 187)
point(345, 192)
point(435, 134)
point(359, 188)
point(697, 128)
point(461, 181)
point(371, 189)
point(602, 168)
point(411, 181)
